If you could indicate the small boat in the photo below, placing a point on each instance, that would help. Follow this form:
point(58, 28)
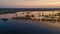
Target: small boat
point(4, 19)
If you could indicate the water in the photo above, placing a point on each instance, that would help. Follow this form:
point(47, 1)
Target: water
point(27, 27)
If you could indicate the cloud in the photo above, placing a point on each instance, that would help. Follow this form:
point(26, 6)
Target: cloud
point(30, 3)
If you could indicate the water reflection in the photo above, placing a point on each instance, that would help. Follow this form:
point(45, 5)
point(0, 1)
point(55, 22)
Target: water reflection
point(27, 27)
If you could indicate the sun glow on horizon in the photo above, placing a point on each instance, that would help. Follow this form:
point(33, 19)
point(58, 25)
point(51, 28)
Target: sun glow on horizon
point(30, 3)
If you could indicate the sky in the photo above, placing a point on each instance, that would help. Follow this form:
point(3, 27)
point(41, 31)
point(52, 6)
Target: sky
point(29, 3)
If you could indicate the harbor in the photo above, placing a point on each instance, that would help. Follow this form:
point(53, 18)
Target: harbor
point(34, 15)
point(39, 15)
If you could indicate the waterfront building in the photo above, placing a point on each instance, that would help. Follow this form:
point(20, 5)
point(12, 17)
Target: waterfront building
point(44, 15)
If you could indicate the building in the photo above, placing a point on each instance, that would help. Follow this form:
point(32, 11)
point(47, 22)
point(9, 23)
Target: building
point(44, 14)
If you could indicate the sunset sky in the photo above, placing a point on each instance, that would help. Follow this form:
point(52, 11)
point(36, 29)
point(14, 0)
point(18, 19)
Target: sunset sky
point(29, 3)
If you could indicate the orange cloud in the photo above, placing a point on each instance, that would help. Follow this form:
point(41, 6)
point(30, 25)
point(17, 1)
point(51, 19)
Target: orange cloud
point(31, 3)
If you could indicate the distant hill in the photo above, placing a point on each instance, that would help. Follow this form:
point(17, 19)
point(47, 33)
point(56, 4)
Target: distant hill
point(13, 10)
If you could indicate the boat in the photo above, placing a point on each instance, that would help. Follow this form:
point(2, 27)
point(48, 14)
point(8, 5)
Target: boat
point(4, 19)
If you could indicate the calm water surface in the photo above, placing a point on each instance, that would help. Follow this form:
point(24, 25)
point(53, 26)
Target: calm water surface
point(29, 27)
